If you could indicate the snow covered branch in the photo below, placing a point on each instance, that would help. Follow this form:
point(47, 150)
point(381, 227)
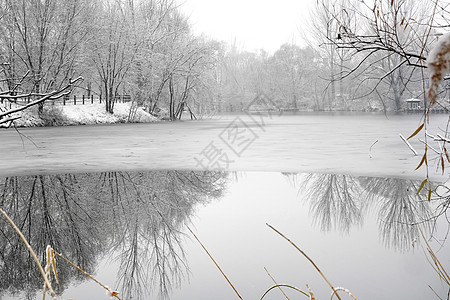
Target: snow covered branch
point(7, 116)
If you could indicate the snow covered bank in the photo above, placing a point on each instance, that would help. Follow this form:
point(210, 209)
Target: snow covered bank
point(84, 115)
point(96, 114)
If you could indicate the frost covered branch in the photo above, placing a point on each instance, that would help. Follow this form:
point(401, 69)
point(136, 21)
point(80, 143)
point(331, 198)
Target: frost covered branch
point(7, 116)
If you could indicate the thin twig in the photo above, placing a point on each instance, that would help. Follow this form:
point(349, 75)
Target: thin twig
point(307, 257)
point(21, 135)
point(439, 268)
point(409, 145)
point(267, 271)
point(344, 290)
point(370, 149)
point(284, 285)
point(204, 248)
point(434, 292)
point(112, 293)
point(425, 143)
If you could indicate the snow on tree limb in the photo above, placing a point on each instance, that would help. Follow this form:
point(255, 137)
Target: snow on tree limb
point(6, 116)
point(408, 144)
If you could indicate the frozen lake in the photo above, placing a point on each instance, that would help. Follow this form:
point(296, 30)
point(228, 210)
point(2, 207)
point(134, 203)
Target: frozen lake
point(328, 143)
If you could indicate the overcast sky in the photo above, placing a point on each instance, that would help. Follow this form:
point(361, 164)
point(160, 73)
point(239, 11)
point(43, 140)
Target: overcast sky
point(254, 24)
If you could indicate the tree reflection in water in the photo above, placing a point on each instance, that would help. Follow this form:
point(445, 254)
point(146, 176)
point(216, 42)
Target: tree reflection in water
point(400, 209)
point(334, 200)
point(85, 216)
point(138, 218)
point(339, 201)
point(48, 211)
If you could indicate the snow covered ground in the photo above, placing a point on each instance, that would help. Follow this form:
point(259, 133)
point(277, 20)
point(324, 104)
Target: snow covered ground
point(88, 114)
point(96, 114)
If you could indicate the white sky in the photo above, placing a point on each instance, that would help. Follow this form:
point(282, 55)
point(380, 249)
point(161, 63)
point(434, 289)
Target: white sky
point(254, 24)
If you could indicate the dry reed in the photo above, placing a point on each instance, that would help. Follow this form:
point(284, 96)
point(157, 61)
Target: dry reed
point(218, 267)
point(334, 290)
point(51, 263)
point(274, 281)
point(43, 273)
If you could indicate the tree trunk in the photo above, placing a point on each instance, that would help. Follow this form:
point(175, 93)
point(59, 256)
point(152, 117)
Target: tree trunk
point(332, 95)
point(341, 83)
point(294, 100)
point(171, 100)
point(40, 105)
point(397, 97)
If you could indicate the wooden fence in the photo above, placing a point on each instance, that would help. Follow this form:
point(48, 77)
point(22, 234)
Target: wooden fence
point(71, 100)
point(82, 100)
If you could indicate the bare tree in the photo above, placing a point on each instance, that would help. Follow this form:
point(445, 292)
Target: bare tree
point(115, 48)
point(42, 38)
point(293, 73)
point(190, 78)
point(393, 37)
point(335, 60)
point(144, 77)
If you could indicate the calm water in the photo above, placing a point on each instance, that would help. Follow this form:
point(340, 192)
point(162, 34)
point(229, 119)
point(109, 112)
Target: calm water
point(129, 230)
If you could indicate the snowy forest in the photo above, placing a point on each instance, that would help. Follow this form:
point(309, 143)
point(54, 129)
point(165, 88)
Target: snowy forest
point(356, 55)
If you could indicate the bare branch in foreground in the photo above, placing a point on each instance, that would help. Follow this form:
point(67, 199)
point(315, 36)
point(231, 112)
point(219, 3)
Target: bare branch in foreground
point(6, 116)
